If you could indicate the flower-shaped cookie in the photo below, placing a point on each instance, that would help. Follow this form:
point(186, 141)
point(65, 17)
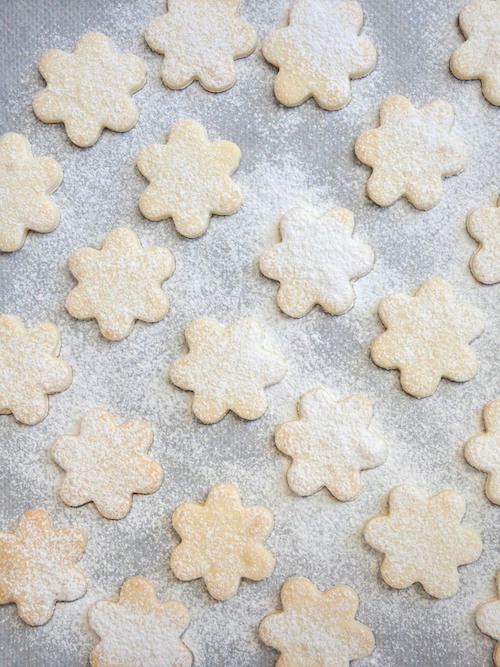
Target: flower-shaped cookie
point(37, 566)
point(227, 368)
point(483, 224)
point(318, 52)
point(222, 541)
point(488, 621)
point(423, 540)
point(29, 368)
point(200, 40)
point(25, 183)
point(190, 178)
point(106, 463)
point(316, 261)
point(411, 151)
point(427, 337)
point(315, 627)
point(89, 89)
point(330, 444)
point(479, 56)
point(120, 283)
point(483, 451)
point(138, 629)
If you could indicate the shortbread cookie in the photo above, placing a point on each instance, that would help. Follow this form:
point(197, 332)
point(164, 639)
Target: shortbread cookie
point(138, 629)
point(120, 283)
point(316, 261)
point(106, 462)
point(479, 56)
point(89, 89)
point(222, 541)
point(411, 151)
point(30, 369)
point(423, 540)
point(483, 451)
point(427, 337)
point(315, 627)
point(200, 40)
point(488, 621)
point(37, 566)
point(190, 178)
point(26, 183)
point(483, 224)
point(330, 443)
point(227, 368)
point(319, 52)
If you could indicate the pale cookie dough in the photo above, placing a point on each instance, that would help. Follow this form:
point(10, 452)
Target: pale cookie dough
point(315, 627)
point(319, 52)
point(411, 151)
point(479, 56)
point(423, 540)
point(200, 40)
point(26, 183)
point(483, 224)
point(316, 261)
point(120, 283)
point(89, 89)
point(227, 368)
point(37, 566)
point(138, 630)
point(29, 368)
point(330, 443)
point(483, 451)
point(106, 462)
point(427, 337)
point(488, 621)
point(190, 178)
point(222, 541)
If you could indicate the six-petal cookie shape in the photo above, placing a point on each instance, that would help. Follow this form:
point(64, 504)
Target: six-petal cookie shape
point(222, 541)
point(316, 627)
point(411, 151)
point(423, 540)
point(319, 52)
point(483, 224)
point(200, 40)
point(190, 178)
point(120, 283)
point(488, 621)
point(89, 89)
point(227, 368)
point(138, 629)
point(37, 566)
point(316, 261)
point(483, 451)
point(479, 56)
point(427, 337)
point(25, 185)
point(106, 462)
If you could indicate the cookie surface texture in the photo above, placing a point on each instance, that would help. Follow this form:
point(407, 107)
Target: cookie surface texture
point(483, 451)
point(488, 621)
point(483, 224)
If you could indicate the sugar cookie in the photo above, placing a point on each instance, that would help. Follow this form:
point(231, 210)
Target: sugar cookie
point(483, 224)
point(488, 621)
point(483, 451)
point(89, 89)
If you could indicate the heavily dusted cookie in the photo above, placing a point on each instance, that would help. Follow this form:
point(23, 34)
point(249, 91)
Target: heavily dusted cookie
point(316, 261)
point(222, 541)
point(89, 89)
point(106, 462)
point(423, 540)
point(488, 620)
point(138, 629)
point(190, 178)
point(319, 52)
point(30, 368)
point(427, 337)
point(483, 451)
point(227, 368)
point(483, 224)
point(316, 627)
point(411, 151)
point(37, 566)
point(120, 283)
point(26, 184)
point(200, 40)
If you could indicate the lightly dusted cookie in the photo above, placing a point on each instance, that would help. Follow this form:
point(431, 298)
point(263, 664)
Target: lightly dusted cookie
point(483, 451)
point(483, 224)
point(319, 52)
point(26, 183)
point(89, 89)
point(488, 621)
